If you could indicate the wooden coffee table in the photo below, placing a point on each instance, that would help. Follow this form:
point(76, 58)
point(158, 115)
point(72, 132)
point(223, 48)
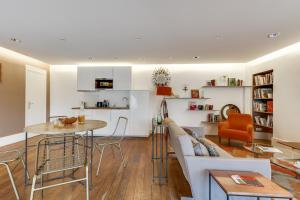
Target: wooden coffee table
point(269, 189)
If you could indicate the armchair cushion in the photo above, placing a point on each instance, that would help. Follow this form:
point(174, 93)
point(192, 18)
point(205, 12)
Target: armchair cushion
point(238, 126)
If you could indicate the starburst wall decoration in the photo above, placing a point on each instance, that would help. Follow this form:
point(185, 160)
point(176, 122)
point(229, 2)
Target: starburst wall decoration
point(161, 77)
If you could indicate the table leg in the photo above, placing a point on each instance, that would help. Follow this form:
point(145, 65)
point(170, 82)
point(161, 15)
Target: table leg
point(161, 154)
point(153, 142)
point(26, 162)
point(167, 157)
point(209, 193)
point(91, 162)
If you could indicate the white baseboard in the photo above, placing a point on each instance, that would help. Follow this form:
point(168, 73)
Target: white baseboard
point(6, 140)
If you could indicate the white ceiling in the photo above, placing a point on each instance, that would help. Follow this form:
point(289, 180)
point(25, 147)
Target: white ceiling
point(148, 31)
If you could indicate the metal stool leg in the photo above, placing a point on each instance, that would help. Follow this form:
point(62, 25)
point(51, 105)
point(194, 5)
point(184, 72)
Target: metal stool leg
point(87, 182)
point(33, 187)
point(101, 154)
point(11, 180)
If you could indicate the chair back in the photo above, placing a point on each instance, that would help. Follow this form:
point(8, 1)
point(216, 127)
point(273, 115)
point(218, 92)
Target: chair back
point(239, 121)
point(120, 128)
point(60, 152)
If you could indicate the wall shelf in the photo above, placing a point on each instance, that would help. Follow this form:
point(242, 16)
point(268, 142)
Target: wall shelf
point(269, 113)
point(202, 110)
point(226, 86)
point(206, 122)
point(185, 98)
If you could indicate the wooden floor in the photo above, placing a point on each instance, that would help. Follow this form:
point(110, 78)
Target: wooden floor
point(134, 182)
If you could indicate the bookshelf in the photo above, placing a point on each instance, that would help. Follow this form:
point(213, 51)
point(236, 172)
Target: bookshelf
point(262, 101)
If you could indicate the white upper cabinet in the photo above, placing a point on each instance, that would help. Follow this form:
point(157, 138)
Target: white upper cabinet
point(86, 77)
point(122, 78)
point(103, 72)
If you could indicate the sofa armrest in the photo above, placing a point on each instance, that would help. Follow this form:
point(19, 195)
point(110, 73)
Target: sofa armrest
point(197, 168)
point(223, 125)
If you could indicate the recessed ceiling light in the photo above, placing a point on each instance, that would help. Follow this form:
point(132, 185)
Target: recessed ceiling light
point(196, 57)
point(273, 35)
point(15, 40)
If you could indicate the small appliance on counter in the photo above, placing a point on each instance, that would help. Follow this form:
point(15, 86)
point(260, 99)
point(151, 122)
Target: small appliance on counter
point(102, 104)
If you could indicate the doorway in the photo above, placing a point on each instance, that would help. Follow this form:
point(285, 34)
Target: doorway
point(35, 96)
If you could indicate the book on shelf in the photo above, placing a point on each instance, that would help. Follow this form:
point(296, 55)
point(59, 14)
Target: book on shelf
point(212, 118)
point(246, 180)
point(263, 93)
point(270, 106)
point(265, 79)
point(264, 121)
point(259, 106)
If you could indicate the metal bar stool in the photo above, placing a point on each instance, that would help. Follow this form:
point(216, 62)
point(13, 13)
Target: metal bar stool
point(7, 157)
point(56, 154)
point(114, 140)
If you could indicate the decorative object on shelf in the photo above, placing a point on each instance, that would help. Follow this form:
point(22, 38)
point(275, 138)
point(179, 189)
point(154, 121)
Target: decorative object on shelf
point(200, 107)
point(227, 109)
point(195, 94)
point(213, 118)
point(208, 83)
point(213, 82)
point(231, 82)
point(161, 78)
point(239, 83)
point(193, 105)
point(163, 90)
point(223, 81)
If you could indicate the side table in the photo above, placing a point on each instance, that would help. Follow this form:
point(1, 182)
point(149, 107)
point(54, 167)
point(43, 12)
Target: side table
point(269, 189)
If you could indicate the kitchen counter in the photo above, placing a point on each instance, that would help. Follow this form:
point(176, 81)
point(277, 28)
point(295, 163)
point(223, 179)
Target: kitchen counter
point(103, 108)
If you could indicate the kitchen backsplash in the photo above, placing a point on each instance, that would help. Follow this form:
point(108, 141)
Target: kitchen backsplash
point(114, 98)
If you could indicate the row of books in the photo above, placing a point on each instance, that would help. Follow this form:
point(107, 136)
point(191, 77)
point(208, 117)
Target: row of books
point(263, 79)
point(263, 93)
point(263, 107)
point(213, 118)
point(264, 121)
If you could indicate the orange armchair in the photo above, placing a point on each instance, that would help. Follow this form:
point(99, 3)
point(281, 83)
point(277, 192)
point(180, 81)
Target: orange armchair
point(238, 127)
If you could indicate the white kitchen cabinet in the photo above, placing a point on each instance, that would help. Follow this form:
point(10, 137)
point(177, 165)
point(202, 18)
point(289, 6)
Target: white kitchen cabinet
point(140, 120)
point(85, 79)
point(122, 78)
point(103, 72)
point(86, 76)
point(104, 115)
point(115, 114)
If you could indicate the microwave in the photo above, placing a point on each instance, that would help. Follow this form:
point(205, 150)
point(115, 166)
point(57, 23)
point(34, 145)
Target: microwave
point(103, 83)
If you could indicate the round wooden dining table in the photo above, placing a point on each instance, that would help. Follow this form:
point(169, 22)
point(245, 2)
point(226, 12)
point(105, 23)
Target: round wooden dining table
point(48, 129)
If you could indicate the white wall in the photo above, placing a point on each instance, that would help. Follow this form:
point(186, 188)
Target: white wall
point(286, 65)
point(194, 76)
point(64, 93)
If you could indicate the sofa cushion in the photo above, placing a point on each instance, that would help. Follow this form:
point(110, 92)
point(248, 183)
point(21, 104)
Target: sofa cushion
point(186, 145)
point(235, 134)
point(200, 149)
point(210, 148)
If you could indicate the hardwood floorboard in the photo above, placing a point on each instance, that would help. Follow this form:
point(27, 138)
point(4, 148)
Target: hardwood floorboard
point(134, 182)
